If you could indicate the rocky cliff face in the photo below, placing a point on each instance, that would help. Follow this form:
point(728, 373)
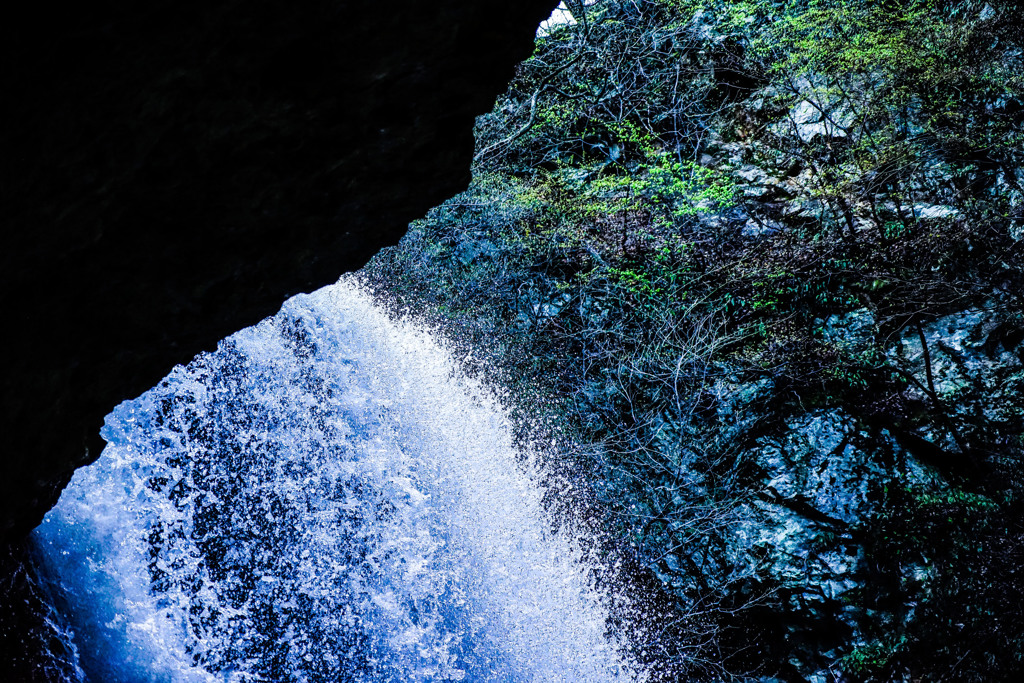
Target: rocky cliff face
point(173, 170)
point(766, 285)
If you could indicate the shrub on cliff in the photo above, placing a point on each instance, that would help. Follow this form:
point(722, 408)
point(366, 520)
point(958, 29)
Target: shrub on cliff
point(696, 234)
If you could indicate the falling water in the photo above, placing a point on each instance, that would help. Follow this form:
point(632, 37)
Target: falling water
point(325, 498)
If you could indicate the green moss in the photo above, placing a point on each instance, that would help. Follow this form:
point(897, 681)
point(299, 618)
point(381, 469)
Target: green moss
point(616, 268)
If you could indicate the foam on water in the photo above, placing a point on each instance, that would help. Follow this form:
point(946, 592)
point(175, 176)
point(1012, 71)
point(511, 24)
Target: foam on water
point(325, 498)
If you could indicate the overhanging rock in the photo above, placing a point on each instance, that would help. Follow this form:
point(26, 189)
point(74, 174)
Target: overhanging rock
point(173, 170)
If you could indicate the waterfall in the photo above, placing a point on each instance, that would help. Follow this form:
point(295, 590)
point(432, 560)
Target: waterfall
point(324, 498)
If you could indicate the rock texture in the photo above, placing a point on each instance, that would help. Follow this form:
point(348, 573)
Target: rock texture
point(173, 170)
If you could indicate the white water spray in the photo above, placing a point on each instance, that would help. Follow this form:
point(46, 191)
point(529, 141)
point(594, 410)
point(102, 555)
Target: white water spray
point(325, 498)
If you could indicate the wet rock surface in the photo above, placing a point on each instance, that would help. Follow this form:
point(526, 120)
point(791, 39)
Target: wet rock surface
point(35, 640)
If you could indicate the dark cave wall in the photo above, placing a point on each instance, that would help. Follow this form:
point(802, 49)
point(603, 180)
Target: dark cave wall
point(172, 171)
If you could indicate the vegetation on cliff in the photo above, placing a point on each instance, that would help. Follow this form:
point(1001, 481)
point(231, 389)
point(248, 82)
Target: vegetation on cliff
point(761, 263)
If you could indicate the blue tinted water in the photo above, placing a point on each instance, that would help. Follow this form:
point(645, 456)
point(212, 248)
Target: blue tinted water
point(324, 498)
